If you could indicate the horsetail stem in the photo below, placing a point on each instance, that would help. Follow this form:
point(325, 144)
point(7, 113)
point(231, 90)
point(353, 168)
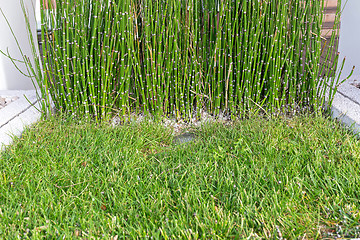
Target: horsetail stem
point(180, 57)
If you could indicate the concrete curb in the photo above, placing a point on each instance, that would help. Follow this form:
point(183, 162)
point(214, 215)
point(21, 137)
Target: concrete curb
point(17, 115)
point(346, 104)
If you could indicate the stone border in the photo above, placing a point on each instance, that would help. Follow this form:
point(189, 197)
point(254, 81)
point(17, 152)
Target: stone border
point(19, 114)
point(346, 104)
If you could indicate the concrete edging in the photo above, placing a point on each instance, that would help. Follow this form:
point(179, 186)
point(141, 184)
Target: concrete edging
point(346, 104)
point(17, 115)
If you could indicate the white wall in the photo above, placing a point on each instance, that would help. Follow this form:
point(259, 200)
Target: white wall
point(38, 14)
point(349, 41)
point(10, 77)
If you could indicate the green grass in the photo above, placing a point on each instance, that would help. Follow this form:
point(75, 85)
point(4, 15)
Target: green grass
point(260, 178)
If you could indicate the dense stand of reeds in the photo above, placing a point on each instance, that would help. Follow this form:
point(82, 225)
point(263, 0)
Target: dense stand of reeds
point(178, 57)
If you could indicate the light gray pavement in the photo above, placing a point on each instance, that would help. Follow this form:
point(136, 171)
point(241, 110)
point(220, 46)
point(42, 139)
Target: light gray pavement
point(346, 104)
point(22, 112)
point(17, 115)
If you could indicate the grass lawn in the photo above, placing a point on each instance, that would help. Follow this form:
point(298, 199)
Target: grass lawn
point(260, 178)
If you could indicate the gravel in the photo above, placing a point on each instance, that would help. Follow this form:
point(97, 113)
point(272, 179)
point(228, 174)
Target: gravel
point(4, 101)
point(178, 126)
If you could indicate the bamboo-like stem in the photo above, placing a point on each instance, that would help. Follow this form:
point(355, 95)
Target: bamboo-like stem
point(181, 57)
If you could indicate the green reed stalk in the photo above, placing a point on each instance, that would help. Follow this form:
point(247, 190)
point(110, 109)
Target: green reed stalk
point(178, 58)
